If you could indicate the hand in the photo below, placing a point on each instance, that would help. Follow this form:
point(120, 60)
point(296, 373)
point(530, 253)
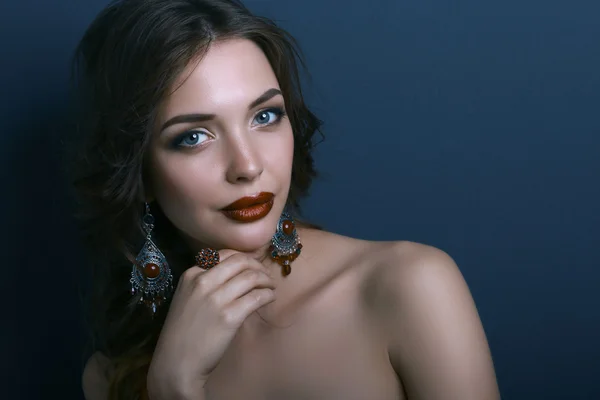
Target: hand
point(207, 309)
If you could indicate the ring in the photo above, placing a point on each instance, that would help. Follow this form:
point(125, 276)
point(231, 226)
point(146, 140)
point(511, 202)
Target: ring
point(207, 258)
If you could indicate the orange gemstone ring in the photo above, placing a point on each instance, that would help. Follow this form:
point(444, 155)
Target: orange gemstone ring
point(207, 258)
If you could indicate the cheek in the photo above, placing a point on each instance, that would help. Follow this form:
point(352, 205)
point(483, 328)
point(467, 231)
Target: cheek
point(179, 183)
point(280, 154)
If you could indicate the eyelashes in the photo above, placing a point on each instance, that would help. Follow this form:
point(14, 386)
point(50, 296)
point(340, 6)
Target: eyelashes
point(192, 134)
point(277, 111)
point(189, 139)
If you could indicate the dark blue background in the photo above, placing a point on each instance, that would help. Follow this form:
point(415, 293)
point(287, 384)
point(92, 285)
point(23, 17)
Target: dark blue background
point(473, 126)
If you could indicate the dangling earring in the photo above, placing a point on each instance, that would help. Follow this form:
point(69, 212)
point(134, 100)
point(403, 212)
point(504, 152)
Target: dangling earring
point(151, 275)
point(285, 245)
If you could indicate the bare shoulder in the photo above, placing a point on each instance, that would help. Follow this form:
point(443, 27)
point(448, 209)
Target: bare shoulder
point(383, 260)
point(407, 263)
point(376, 258)
point(407, 278)
point(435, 339)
point(387, 272)
point(334, 250)
point(95, 377)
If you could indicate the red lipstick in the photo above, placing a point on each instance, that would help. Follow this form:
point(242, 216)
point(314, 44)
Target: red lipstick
point(250, 208)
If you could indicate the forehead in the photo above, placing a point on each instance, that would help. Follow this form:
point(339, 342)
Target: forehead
point(231, 73)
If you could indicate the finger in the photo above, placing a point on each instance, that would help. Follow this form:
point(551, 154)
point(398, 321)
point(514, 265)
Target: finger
point(224, 254)
point(230, 267)
point(242, 284)
point(239, 310)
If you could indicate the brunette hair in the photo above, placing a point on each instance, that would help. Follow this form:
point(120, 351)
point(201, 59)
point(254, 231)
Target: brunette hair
point(127, 61)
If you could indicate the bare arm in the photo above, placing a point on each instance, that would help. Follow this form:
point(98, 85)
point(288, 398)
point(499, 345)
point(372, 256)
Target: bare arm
point(437, 344)
point(94, 380)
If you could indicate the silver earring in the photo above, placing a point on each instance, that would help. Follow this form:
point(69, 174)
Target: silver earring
point(150, 274)
point(285, 244)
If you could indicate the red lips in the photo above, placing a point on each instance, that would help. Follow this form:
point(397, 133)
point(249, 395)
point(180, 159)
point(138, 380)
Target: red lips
point(248, 201)
point(250, 208)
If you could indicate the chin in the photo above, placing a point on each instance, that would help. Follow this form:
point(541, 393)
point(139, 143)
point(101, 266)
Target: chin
point(239, 236)
point(248, 237)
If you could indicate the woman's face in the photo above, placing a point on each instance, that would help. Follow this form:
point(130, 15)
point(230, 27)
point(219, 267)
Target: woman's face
point(219, 137)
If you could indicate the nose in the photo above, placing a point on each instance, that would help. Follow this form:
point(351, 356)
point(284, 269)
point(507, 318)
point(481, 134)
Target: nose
point(244, 162)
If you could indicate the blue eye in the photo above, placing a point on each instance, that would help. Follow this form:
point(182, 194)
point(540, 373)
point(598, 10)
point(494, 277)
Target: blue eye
point(190, 139)
point(269, 116)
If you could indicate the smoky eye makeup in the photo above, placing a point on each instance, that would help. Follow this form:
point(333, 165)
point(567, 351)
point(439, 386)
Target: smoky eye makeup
point(189, 138)
point(195, 137)
point(269, 116)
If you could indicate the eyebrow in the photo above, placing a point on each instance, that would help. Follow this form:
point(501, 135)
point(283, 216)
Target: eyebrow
point(179, 119)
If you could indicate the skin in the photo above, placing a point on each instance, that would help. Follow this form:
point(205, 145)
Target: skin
point(354, 320)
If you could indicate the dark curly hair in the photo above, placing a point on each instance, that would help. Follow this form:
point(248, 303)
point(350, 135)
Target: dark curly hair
point(127, 61)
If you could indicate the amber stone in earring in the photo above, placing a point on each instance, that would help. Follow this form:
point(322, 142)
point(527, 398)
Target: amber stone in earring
point(285, 245)
point(151, 278)
point(151, 270)
point(287, 227)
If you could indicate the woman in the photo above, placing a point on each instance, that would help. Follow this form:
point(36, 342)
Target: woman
point(196, 149)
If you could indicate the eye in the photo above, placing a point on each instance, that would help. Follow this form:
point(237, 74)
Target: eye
point(190, 139)
point(269, 116)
